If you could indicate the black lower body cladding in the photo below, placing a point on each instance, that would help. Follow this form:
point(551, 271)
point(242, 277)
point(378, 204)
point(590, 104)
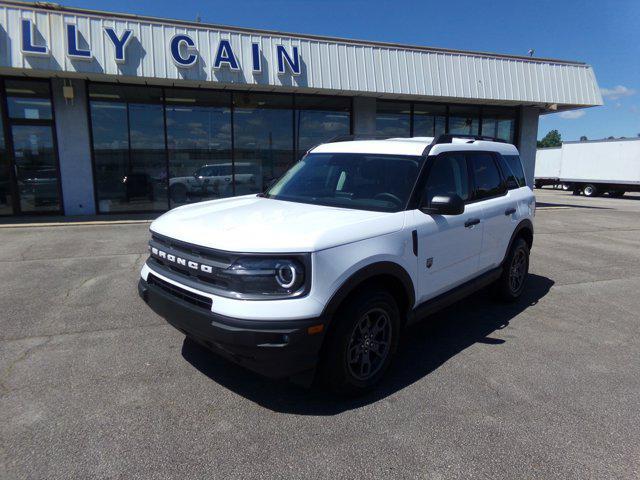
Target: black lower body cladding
point(276, 349)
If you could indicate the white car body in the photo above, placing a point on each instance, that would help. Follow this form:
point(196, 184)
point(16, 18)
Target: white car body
point(436, 252)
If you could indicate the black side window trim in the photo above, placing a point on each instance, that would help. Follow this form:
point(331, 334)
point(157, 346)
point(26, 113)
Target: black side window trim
point(496, 162)
point(422, 180)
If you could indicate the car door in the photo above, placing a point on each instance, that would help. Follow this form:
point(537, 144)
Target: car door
point(448, 245)
point(498, 208)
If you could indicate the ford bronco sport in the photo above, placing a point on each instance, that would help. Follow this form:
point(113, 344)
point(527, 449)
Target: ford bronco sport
point(321, 273)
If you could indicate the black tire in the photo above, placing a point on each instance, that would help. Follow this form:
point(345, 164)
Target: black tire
point(512, 282)
point(346, 374)
point(617, 193)
point(590, 190)
point(538, 184)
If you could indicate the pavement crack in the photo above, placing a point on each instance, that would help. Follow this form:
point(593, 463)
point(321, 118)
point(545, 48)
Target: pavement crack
point(4, 388)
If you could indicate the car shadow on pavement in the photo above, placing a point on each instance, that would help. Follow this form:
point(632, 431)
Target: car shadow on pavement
point(424, 348)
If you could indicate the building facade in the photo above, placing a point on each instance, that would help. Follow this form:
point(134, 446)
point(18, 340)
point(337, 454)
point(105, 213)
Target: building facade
point(114, 113)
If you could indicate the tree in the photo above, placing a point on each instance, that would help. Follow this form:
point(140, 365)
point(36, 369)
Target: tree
point(551, 139)
point(583, 138)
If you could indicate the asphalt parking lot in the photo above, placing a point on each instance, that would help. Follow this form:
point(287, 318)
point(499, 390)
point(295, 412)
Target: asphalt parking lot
point(93, 384)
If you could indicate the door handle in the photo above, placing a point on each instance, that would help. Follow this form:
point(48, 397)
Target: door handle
point(509, 211)
point(471, 222)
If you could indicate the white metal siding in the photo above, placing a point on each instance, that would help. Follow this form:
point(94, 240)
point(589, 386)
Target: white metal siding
point(331, 65)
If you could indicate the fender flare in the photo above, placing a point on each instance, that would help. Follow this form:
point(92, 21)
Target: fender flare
point(525, 224)
point(364, 274)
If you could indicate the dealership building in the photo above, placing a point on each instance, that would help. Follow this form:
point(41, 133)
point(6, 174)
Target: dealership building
point(117, 113)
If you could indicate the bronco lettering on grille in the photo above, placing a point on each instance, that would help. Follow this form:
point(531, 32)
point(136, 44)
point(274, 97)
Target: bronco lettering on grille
point(185, 262)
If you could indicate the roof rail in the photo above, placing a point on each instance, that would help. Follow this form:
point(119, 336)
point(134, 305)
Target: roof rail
point(448, 138)
point(361, 136)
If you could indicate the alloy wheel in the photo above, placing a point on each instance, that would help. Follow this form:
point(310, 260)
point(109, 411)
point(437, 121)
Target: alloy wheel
point(369, 344)
point(518, 271)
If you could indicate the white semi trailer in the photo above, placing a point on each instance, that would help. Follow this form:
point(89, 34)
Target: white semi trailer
point(591, 167)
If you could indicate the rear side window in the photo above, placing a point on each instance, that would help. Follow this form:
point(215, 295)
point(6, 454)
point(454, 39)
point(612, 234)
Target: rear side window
point(515, 169)
point(448, 176)
point(487, 180)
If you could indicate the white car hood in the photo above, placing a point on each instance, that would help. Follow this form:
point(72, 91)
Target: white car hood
point(255, 224)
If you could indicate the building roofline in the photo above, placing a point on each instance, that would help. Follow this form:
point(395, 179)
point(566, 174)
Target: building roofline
point(603, 140)
point(50, 6)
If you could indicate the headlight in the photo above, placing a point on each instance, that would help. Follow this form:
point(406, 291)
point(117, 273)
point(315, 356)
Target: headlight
point(268, 277)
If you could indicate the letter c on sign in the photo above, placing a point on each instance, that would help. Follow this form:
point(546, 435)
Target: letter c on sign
point(178, 42)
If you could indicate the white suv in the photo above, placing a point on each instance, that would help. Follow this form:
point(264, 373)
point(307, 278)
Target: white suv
point(356, 241)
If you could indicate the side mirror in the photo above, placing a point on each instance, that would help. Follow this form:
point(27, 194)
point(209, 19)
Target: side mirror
point(445, 205)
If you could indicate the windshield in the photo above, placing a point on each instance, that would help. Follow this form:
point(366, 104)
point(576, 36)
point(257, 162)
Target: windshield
point(362, 181)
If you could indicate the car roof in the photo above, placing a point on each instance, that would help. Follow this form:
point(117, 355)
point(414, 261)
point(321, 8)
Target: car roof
point(413, 146)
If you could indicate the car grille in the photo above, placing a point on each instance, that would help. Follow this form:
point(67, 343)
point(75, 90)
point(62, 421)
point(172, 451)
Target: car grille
point(190, 297)
point(218, 260)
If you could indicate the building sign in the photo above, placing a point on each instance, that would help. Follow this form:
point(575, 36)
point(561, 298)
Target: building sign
point(181, 47)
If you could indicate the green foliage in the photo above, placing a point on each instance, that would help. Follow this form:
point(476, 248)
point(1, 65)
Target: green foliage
point(551, 139)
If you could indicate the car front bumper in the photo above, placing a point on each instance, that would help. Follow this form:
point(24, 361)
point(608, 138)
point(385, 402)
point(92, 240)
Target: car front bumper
point(275, 349)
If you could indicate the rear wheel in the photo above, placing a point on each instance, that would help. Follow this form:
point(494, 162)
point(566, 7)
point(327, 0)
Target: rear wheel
point(361, 345)
point(590, 190)
point(617, 193)
point(512, 282)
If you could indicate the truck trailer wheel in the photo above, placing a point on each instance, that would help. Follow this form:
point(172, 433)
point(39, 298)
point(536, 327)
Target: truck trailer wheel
point(361, 345)
point(590, 190)
point(617, 193)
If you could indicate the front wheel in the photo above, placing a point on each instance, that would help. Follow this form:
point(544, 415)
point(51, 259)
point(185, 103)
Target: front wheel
point(511, 283)
point(361, 345)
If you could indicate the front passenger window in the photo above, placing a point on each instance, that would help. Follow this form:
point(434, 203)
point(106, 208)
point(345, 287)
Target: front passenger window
point(448, 176)
point(486, 175)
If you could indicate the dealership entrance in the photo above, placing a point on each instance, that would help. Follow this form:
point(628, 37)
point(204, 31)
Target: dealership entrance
point(29, 171)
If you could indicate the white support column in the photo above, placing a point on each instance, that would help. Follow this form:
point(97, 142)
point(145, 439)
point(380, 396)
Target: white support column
point(74, 148)
point(527, 139)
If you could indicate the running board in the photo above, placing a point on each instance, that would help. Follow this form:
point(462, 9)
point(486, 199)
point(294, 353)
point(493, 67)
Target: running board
point(448, 298)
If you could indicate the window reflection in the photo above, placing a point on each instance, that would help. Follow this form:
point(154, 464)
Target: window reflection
point(5, 176)
point(393, 119)
point(136, 171)
point(28, 100)
point(464, 120)
point(36, 170)
point(199, 147)
point(429, 120)
point(263, 138)
point(319, 119)
point(146, 180)
point(499, 123)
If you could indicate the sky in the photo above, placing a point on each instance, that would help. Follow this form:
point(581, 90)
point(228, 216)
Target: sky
point(604, 34)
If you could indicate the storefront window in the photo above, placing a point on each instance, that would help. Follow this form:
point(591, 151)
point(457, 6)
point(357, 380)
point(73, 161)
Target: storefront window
point(5, 176)
point(393, 119)
point(28, 100)
point(29, 179)
point(464, 120)
point(129, 148)
point(110, 127)
point(36, 168)
point(499, 123)
point(263, 131)
point(146, 181)
point(199, 146)
point(319, 119)
point(429, 120)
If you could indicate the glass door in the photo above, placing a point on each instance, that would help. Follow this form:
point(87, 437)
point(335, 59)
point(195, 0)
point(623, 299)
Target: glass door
point(29, 173)
point(35, 168)
point(6, 197)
